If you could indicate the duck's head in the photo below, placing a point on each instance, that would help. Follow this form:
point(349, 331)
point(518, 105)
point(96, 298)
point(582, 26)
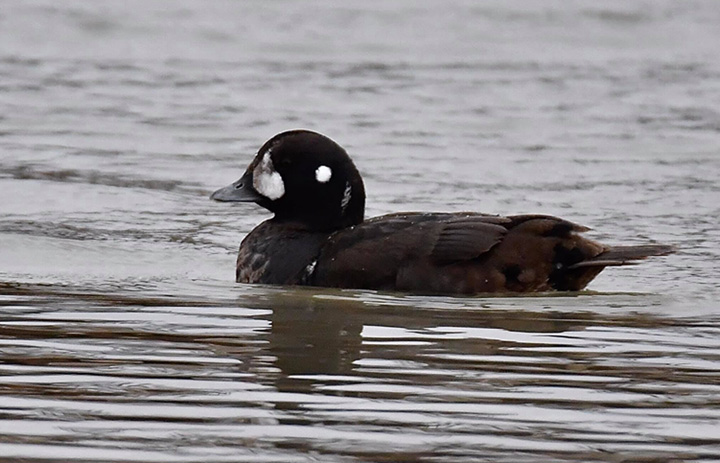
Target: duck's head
point(302, 176)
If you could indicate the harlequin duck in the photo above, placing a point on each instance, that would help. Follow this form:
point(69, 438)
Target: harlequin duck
point(319, 237)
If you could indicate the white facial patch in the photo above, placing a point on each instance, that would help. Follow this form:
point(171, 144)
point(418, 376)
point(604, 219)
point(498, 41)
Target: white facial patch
point(323, 174)
point(266, 180)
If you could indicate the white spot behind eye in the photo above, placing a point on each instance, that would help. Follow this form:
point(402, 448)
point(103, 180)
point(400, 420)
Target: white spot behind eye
point(323, 174)
point(266, 180)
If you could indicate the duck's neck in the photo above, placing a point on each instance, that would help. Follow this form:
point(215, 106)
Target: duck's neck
point(316, 224)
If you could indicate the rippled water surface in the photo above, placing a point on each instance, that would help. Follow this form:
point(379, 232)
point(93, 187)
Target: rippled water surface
point(123, 337)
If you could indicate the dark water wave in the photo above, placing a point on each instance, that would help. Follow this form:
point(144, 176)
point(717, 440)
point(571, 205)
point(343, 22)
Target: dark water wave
point(30, 172)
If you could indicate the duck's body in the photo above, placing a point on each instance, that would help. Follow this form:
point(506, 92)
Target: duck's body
point(318, 236)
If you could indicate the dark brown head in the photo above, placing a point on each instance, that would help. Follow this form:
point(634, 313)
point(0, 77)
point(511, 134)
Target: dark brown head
point(304, 177)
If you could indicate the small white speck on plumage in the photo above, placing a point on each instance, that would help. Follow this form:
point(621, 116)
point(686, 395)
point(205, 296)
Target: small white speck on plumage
point(310, 267)
point(323, 174)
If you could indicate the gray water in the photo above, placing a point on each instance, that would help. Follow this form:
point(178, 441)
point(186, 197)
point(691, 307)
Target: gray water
point(124, 338)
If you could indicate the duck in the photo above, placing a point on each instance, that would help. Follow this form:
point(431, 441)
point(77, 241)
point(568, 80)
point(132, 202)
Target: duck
point(319, 236)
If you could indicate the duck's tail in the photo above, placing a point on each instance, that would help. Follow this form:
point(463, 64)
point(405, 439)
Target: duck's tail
point(625, 255)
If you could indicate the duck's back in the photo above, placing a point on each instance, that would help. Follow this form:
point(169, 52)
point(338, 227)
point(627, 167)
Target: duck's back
point(466, 253)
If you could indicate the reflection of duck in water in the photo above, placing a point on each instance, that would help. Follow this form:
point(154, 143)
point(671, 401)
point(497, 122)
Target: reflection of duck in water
point(315, 336)
point(319, 237)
